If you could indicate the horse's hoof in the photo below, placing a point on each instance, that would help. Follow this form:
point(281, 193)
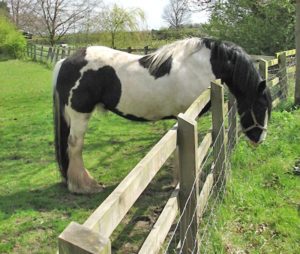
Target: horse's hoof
point(92, 188)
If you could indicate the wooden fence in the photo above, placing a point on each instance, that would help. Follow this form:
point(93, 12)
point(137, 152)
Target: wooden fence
point(190, 197)
point(51, 55)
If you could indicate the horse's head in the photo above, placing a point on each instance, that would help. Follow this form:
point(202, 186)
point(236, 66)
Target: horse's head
point(255, 113)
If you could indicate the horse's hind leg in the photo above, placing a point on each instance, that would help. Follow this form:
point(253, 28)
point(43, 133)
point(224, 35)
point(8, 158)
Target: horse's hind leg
point(79, 179)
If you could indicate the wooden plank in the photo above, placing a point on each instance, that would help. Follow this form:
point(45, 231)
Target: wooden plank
point(189, 183)
point(77, 239)
point(275, 102)
point(203, 198)
point(273, 82)
point(291, 69)
point(162, 226)
point(218, 131)
point(203, 150)
point(263, 69)
point(109, 214)
point(291, 52)
point(283, 79)
point(194, 110)
point(232, 123)
point(273, 62)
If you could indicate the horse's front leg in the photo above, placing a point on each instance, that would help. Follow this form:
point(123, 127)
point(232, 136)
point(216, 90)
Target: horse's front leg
point(79, 179)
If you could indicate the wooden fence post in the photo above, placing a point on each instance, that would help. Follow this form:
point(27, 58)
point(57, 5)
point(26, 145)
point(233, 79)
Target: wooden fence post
point(218, 132)
point(42, 52)
point(189, 186)
point(146, 49)
point(78, 239)
point(283, 75)
point(263, 69)
point(34, 52)
point(57, 55)
point(49, 54)
point(232, 123)
point(63, 53)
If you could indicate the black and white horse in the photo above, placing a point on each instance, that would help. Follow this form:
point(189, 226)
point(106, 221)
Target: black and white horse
point(152, 87)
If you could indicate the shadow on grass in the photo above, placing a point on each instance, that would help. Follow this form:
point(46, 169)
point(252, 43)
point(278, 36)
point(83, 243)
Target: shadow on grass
point(54, 197)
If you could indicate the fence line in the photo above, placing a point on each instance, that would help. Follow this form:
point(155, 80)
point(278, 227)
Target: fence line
point(195, 201)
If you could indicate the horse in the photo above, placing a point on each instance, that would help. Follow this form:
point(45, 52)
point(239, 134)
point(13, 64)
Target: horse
point(156, 86)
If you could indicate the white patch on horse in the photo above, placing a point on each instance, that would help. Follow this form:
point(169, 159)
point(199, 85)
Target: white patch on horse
point(152, 99)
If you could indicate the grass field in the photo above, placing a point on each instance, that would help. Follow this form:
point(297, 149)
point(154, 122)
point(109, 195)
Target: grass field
point(259, 214)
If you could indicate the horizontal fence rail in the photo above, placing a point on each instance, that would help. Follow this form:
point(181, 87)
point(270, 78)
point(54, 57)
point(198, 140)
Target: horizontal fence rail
point(203, 165)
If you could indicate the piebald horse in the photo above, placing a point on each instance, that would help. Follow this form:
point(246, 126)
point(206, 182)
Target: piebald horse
point(157, 86)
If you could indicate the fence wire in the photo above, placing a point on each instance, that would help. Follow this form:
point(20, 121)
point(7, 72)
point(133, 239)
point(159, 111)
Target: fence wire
point(209, 212)
point(173, 245)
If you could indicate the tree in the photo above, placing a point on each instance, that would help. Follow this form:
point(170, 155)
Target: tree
point(118, 19)
point(58, 17)
point(260, 26)
point(12, 43)
point(177, 13)
point(4, 10)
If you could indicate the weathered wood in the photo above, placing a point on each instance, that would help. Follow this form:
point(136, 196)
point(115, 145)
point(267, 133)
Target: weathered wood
point(109, 214)
point(204, 194)
point(49, 54)
point(218, 131)
point(162, 226)
point(273, 82)
point(272, 62)
point(197, 106)
point(189, 184)
point(57, 55)
point(291, 52)
point(263, 68)
point(283, 75)
point(203, 150)
point(77, 239)
point(275, 102)
point(34, 53)
point(232, 123)
point(291, 69)
point(41, 53)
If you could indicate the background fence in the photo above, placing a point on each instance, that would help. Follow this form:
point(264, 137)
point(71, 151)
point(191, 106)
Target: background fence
point(203, 167)
point(51, 55)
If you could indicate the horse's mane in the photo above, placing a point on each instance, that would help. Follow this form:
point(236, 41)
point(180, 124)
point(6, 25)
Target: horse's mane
point(234, 66)
point(161, 59)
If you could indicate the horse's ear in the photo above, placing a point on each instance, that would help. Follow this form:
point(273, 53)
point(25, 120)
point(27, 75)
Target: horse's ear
point(262, 86)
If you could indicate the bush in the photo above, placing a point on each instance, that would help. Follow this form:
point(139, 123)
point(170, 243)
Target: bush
point(12, 42)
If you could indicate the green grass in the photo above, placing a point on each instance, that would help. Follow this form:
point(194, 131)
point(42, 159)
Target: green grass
point(259, 214)
point(34, 206)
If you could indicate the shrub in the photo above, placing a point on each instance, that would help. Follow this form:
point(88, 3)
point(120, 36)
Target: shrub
point(12, 42)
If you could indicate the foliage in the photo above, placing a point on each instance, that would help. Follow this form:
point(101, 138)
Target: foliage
point(4, 10)
point(261, 27)
point(12, 43)
point(260, 210)
point(118, 19)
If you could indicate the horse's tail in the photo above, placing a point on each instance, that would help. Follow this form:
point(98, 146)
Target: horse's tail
point(61, 127)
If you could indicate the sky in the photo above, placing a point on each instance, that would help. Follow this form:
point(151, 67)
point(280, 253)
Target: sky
point(153, 10)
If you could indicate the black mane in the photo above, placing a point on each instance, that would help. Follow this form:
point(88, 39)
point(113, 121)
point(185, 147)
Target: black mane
point(234, 66)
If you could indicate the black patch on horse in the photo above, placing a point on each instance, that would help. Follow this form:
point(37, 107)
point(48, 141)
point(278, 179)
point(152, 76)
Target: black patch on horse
point(100, 86)
point(158, 70)
point(69, 73)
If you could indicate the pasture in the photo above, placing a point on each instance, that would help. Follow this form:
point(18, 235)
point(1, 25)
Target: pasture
point(259, 214)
